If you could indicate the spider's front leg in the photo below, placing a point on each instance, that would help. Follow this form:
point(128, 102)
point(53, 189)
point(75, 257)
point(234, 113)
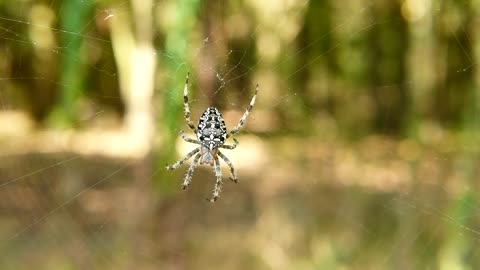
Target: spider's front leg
point(191, 169)
point(245, 115)
point(186, 107)
point(181, 161)
point(185, 138)
point(230, 147)
point(233, 176)
point(218, 183)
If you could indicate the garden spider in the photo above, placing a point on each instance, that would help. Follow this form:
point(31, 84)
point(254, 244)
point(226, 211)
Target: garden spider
point(211, 135)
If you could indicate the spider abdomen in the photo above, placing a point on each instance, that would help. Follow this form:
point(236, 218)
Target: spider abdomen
point(212, 131)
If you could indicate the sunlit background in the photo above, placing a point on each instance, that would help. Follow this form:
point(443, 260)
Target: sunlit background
point(362, 151)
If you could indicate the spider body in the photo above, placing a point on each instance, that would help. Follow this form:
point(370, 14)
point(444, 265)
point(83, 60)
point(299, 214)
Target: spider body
point(212, 132)
point(211, 135)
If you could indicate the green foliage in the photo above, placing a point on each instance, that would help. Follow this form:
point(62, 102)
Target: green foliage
point(74, 16)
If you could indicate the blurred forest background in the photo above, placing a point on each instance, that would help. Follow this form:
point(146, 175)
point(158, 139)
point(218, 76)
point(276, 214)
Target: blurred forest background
point(362, 151)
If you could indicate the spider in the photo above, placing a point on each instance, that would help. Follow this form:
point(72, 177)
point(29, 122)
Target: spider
point(211, 135)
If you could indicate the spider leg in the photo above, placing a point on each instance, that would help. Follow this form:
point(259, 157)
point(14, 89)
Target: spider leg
point(245, 115)
point(188, 175)
point(181, 161)
point(230, 147)
point(185, 138)
point(218, 183)
point(186, 107)
point(233, 176)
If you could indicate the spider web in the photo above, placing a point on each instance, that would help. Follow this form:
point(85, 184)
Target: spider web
point(307, 196)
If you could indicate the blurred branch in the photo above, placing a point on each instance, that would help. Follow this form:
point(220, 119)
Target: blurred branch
point(136, 65)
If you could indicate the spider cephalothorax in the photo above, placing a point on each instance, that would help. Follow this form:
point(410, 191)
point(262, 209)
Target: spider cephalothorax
point(211, 135)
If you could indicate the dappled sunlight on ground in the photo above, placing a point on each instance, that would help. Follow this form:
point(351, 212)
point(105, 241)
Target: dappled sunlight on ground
point(298, 204)
point(19, 136)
